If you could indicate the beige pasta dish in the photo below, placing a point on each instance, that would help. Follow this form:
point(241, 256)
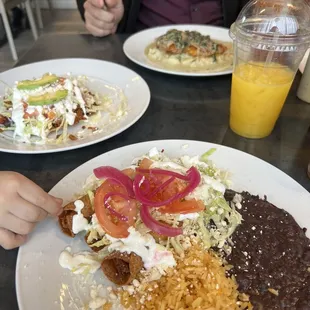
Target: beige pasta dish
point(190, 51)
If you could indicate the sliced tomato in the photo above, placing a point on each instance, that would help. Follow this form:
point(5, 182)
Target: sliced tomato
point(167, 191)
point(183, 207)
point(29, 115)
point(26, 115)
point(145, 163)
point(157, 186)
point(129, 172)
point(61, 80)
point(113, 226)
point(173, 188)
point(25, 105)
point(51, 115)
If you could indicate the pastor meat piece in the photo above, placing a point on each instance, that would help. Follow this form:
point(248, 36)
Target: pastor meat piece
point(66, 217)
point(121, 268)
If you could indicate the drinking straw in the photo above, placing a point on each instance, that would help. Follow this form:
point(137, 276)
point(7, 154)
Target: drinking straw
point(276, 36)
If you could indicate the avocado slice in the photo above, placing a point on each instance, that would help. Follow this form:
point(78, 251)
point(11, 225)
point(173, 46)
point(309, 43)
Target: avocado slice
point(48, 98)
point(33, 84)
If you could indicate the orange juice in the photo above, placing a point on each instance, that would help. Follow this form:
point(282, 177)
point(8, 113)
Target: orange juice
point(257, 96)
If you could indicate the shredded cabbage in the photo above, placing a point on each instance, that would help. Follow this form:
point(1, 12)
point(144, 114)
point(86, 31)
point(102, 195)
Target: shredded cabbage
point(217, 223)
point(102, 242)
point(205, 157)
point(177, 246)
point(91, 196)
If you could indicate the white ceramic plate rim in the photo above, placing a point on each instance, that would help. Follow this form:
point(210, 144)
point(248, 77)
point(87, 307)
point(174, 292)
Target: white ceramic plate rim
point(143, 87)
point(280, 188)
point(163, 29)
point(304, 61)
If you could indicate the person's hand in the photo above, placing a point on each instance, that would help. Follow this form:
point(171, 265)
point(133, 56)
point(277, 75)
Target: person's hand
point(103, 16)
point(22, 205)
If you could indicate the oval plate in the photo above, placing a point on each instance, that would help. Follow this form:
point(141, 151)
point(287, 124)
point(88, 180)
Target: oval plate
point(108, 77)
point(135, 45)
point(38, 272)
point(304, 61)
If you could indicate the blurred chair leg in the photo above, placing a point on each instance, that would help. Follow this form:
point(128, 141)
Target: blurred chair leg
point(8, 30)
point(50, 5)
point(39, 14)
point(31, 19)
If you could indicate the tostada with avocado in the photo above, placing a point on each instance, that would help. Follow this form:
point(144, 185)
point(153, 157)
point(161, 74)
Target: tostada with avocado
point(42, 109)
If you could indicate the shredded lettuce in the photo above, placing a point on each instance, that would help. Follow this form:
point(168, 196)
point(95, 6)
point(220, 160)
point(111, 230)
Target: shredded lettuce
point(218, 202)
point(103, 253)
point(216, 224)
point(102, 242)
point(177, 246)
point(205, 234)
point(86, 269)
point(205, 157)
point(91, 196)
point(220, 221)
point(209, 171)
point(6, 114)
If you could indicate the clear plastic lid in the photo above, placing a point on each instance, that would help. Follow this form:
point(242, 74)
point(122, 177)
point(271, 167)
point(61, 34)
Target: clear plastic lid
point(273, 22)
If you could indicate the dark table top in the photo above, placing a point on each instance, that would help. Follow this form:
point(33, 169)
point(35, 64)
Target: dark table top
point(180, 108)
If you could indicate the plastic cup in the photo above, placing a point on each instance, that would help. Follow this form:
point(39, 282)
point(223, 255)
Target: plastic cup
point(270, 39)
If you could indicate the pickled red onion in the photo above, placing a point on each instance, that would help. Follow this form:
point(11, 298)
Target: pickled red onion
point(116, 175)
point(192, 177)
point(164, 172)
point(156, 226)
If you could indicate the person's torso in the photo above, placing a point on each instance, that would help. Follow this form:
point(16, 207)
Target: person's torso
point(165, 12)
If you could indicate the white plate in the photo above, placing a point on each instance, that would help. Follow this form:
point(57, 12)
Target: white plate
point(304, 61)
point(40, 279)
point(102, 75)
point(135, 45)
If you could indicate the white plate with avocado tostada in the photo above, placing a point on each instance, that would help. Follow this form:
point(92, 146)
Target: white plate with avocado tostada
point(64, 104)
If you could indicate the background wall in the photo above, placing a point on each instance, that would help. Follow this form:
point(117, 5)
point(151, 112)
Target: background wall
point(60, 4)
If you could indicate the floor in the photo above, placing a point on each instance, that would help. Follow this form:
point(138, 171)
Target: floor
point(60, 21)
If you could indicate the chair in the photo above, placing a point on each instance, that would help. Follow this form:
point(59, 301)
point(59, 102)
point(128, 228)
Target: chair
point(38, 11)
point(6, 5)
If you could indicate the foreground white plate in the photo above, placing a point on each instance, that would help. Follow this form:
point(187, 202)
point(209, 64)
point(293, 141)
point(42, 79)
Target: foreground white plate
point(304, 61)
point(40, 280)
point(135, 45)
point(105, 77)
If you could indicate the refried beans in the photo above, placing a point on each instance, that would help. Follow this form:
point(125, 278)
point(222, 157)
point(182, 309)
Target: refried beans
point(270, 256)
